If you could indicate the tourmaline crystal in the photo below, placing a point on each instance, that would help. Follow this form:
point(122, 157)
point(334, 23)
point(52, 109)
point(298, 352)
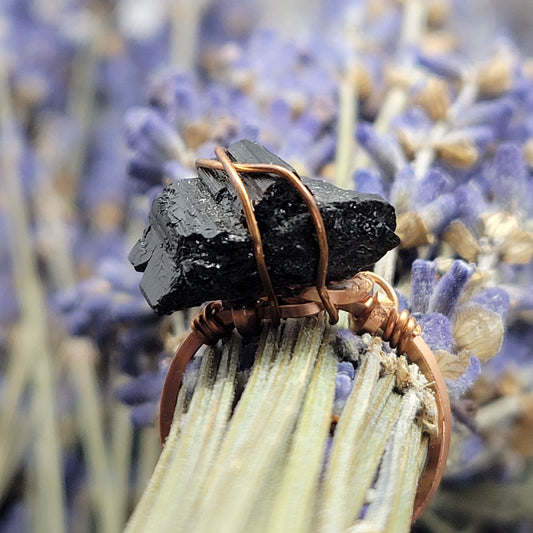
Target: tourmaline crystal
point(196, 246)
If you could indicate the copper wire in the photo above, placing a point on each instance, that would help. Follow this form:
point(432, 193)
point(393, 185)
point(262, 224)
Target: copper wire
point(399, 327)
point(233, 169)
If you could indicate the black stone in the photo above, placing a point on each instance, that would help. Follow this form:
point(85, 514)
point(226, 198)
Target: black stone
point(196, 246)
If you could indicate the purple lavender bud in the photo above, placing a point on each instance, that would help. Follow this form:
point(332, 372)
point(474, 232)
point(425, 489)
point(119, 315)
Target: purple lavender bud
point(343, 387)
point(120, 277)
point(525, 300)
point(460, 386)
point(448, 290)
point(147, 387)
point(78, 322)
point(174, 170)
point(369, 181)
point(146, 173)
point(383, 149)
point(437, 331)
point(481, 136)
point(423, 281)
point(403, 302)
point(401, 192)
point(446, 66)
point(308, 124)
point(508, 177)
point(493, 113)
point(321, 152)
point(93, 246)
point(147, 132)
point(435, 183)
point(250, 130)
point(139, 339)
point(439, 213)
point(468, 449)
point(144, 415)
point(95, 303)
point(470, 204)
point(349, 346)
point(345, 367)
point(496, 299)
point(134, 309)
point(414, 119)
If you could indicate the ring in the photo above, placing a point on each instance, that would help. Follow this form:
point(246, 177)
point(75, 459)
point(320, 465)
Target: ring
point(369, 299)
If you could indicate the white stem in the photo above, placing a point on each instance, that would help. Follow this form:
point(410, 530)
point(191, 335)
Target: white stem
point(499, 411)
point(185, 19)
point(49, 505)
point(121, 451)
point(348, 102)
point(102, 475)
point(81, 103)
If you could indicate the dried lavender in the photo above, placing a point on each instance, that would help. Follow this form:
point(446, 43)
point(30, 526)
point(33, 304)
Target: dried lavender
point(423, 102)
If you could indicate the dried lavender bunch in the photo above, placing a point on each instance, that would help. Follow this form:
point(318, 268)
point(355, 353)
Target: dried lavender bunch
point(387, 97)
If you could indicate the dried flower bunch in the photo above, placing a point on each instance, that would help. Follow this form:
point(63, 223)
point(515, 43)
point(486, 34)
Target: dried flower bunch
point(427, 103)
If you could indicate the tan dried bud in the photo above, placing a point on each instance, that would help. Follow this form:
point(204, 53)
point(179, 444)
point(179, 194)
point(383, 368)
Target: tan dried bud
point(404, 378)
point(434, 98)
point(461, 239)
point(412, 230)
point(498, 225)
point(438, 42)
point(460, 153)
point(517, 248)
point(496, 75)
point(408, 142)
point(522, 433)
point(327, 171)
point(375, 9)
point(298, 102)
point(527, 150)
point(360, 77)
point(509, 384)
point(243, 79)
point(478, 330)
point(452, 366)
point(196, 133)
point(107, 216)
point(437, 12)
point(527, 68)
point(397, 77)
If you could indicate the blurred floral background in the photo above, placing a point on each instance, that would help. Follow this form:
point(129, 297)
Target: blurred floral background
point(428, 103)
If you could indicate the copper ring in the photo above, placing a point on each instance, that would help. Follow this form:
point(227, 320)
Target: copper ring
point(371, 313)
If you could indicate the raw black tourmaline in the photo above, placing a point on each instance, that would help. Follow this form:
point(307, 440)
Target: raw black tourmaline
point(196, 246)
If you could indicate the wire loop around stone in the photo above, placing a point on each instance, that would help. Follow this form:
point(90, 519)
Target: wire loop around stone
point(233, 169)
